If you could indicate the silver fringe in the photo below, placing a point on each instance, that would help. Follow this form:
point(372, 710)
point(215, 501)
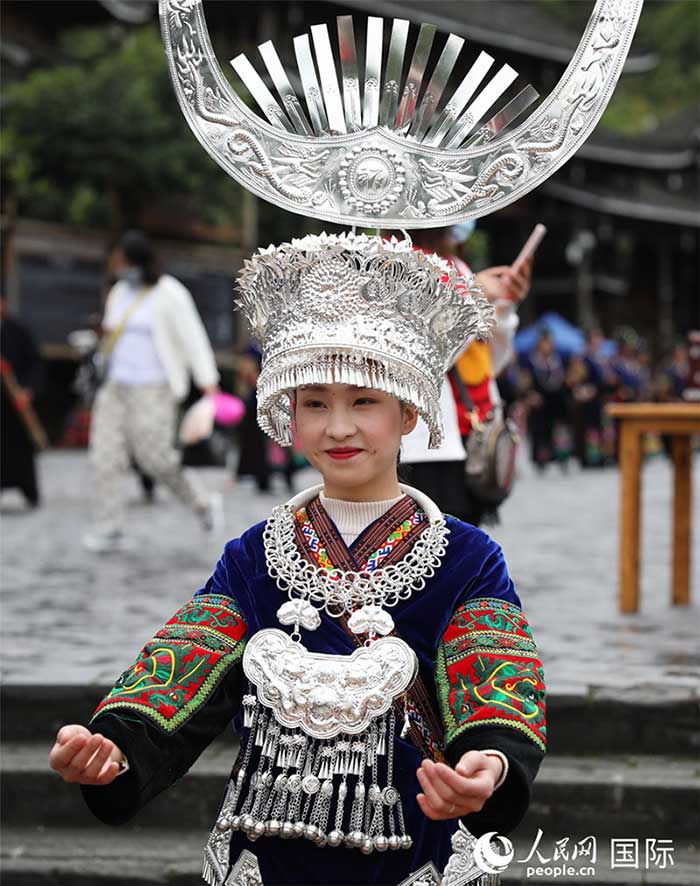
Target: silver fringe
point(290, 785)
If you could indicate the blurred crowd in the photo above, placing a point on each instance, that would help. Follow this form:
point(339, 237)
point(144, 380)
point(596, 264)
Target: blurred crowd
point(559, 398)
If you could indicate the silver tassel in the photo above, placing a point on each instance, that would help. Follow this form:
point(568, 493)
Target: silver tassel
point(208, 874)
point(298, 745)
point(327, 755)
point(248, 707)
point(341, 758)
point(406, 722)
point(356, 763)
point(284, 752)
point(381, 744)
point(260, 731)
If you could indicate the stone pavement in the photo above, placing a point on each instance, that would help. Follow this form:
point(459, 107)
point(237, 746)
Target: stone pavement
point(69, 617)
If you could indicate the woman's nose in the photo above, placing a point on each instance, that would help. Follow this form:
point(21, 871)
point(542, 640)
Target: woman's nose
point(340, 424)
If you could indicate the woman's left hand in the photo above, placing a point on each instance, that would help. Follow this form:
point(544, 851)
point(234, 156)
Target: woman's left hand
point(452, 793)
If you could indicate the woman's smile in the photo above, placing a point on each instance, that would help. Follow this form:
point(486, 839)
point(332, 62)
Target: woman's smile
point(343, 452)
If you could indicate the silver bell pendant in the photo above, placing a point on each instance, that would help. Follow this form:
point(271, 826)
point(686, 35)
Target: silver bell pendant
point(335, 838)
point(367, 846)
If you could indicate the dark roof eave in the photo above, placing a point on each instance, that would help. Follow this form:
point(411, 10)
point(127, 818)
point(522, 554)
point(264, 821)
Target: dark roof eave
point(645, 61)
point(623, 206)
point(631, 156)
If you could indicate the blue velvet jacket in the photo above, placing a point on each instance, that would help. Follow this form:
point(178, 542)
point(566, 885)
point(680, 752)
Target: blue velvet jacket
point(478, 665)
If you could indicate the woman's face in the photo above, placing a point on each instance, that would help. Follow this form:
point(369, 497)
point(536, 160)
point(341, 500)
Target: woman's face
point(352, 436)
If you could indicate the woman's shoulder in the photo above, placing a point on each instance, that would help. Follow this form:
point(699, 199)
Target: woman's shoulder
point(470, 539)
point(466, 531)
point(247, 546)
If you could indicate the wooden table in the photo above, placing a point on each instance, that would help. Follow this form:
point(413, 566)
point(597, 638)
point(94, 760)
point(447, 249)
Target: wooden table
point(680, 421)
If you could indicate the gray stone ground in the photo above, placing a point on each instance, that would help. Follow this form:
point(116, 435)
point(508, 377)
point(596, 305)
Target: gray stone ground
point(73, 617)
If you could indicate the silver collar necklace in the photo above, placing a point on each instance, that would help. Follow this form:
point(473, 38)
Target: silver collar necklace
point(361, 595)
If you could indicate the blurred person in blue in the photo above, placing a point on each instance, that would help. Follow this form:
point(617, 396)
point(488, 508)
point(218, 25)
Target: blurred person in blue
point(548, 404)
point(630, 365)
point(157, 339)
point(586, 404)
point(22, 364)
point(672, 375)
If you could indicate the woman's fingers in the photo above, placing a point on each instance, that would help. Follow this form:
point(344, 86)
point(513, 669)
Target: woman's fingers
point(62, 754)
point(109, 772)
point(431, 794)
point(444, 790)
point(447, 794)
point(460, 784)
point(84, 755)
point(69, 740)
point(80, 756)
point(95, 765)
point(65, 733)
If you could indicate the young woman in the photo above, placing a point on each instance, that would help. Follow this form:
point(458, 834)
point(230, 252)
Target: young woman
point(372, 653)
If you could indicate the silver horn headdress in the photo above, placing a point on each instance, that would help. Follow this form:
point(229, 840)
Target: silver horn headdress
point(389, 150)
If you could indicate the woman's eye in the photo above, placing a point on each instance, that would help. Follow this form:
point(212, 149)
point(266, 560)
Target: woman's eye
point(363, 401)
point(313, 404)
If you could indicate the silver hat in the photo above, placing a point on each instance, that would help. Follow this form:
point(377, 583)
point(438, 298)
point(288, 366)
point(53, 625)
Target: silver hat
point(357, 310)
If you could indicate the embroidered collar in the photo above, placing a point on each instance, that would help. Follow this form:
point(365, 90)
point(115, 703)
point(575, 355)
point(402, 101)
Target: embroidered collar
point(384, 541)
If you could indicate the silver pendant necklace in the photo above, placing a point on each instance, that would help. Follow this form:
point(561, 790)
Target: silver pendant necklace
point(363, 596)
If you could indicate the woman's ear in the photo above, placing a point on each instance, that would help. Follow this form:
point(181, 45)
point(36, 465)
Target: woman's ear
point(409, 418)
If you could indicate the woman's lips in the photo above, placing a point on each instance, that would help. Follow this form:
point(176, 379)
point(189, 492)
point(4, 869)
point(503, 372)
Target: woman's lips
point(343, 453)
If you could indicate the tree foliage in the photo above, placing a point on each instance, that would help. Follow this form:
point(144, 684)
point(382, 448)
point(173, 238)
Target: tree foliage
point(97, 137)
point(670, 29)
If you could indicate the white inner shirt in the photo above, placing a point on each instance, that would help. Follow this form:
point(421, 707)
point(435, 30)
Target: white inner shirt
point(353, 517)
point(134, 360)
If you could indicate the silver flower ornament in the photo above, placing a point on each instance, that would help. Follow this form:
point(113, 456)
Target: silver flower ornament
point(371, 619)
point(299, 613)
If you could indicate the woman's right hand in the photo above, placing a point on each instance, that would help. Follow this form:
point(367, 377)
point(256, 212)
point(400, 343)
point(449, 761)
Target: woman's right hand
point(79, 756)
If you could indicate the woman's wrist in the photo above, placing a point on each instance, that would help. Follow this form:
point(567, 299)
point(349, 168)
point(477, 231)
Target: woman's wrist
point(498, 763)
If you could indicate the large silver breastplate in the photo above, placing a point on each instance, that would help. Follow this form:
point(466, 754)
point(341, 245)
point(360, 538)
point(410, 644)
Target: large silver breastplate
point(318, 760)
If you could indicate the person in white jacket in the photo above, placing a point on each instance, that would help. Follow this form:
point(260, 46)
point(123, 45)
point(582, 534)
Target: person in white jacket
point(156, 339)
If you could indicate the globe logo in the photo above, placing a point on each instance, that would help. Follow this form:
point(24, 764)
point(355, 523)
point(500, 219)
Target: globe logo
point(487, 858)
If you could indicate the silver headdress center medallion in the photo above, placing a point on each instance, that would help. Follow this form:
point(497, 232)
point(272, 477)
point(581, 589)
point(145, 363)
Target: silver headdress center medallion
point(407, 152)
point(357, 310)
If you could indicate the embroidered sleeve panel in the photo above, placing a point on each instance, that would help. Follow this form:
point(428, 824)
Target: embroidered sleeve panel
point(488, 671)
point(179, 669)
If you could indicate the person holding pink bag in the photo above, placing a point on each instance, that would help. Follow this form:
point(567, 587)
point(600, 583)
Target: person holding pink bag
point(156, 340)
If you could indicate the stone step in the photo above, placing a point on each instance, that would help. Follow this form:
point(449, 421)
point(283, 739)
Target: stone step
point(616, 796)
point(647, 719)
point(34, 856)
